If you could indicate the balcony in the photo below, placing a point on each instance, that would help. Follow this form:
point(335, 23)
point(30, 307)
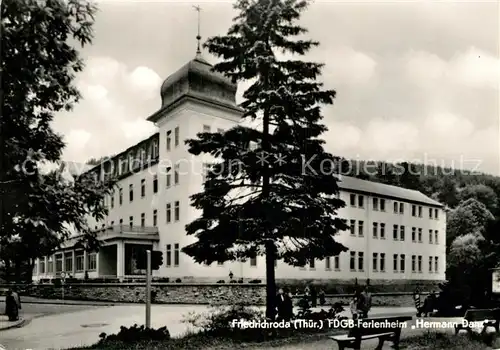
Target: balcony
point(129, 232)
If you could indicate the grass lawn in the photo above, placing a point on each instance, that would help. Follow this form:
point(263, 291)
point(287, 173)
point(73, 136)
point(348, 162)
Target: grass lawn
point(428, 341)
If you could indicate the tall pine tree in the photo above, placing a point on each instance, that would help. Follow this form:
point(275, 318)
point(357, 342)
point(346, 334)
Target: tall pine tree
point(278, 198)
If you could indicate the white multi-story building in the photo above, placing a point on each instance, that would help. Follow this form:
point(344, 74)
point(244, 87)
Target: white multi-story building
point(394, 233)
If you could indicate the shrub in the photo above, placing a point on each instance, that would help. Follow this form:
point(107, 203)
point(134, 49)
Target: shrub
point(135, 334)
point(221, 281)
point(240, 280)
point(255, 281)
point(162, 280)
point(232, 281)
point(178, 280)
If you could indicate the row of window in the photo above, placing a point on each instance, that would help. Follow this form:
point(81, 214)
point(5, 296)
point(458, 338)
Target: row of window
point(168, 255)
point(378, 204)
point(172, 214)
point(399, 261)
point(398, 232)
point(66, 263)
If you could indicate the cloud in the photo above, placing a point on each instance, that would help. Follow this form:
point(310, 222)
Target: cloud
point(349, 67)
point(137, 130)
point(145, 81)
point(472, 68)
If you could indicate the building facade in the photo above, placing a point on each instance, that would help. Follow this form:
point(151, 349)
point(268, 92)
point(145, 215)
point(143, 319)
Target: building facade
point(394, 233)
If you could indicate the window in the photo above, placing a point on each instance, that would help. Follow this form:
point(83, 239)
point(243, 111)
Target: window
point(131, 221)
point(375, 261)
point(131, 193)
point(401, 208)
point(155, 217)
point(375, 230)
point(155, 184)
point(352, 263)
point(169, 213)
point(155, 149)
point(79, 261)
point(413, 210)
point(361, 201)
point(92, 262)
point(112, 222)
point(59, 262)
point(430, 213)
point(436, 241)
point(402, 263)
point(420, 235)
point(436, 264)
point(42, 265)
point(361, 263)
point(328, 265)
point(121, 222)
point(312, 264)
point(413, 263)
point(206, 128)
point(176, 137)
point(176, 254)
point(120, 196)
point(336, 262)
point(430, 236)
point(50, 265)
point(253, 261)
point(176, 174)
point(382, 230)
point(169, 140)
point(375, 203)
point(68, 262)
point(395, 232)
point(382, 205)
point(143, 219)
point(401, 233)
point(436, 212)
point(360, 228)
point(420, 263)
point(112, 201)
point(413, 234)
point(396, 208)
point(419, 211)
point(176, 211)
point(169, 177)
point(430, 264)
point(395, 263)
point(220, 131)
point(143, 188)
point(353, 227)
point(353, 200)
point(168, 255)
point(382, 262)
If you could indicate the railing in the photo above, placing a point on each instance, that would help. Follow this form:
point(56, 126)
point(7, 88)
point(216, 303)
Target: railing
point(129, 229)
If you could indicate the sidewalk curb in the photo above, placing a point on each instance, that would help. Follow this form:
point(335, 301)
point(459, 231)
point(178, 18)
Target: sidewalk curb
point(18, 324)
point(74, 303)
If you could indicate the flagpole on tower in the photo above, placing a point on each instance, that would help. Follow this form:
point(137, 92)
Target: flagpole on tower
point(198, 37)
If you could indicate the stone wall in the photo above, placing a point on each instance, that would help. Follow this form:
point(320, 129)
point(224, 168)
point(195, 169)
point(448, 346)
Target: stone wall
point(172, 293)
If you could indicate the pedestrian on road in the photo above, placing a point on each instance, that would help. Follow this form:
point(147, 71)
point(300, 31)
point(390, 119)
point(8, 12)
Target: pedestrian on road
point(416, 298)
point(11, 306)
point(353, 306)
point(364, 302)
point(314, 296)
point(321, 296)
point(284, 305)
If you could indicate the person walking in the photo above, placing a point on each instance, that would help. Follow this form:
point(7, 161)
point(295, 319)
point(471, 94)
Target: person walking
point(314, 296)
point(11, 306)
point(353, 306)
point(416, 299)
point(364, 302)
point(284, 305)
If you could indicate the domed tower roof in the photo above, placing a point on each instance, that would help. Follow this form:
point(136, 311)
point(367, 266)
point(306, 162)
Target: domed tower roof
point(196, 79)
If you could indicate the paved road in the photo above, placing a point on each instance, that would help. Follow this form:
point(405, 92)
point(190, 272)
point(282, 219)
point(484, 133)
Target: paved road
point(82, 328)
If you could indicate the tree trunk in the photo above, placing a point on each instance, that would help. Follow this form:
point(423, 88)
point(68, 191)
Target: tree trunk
point(270, 247)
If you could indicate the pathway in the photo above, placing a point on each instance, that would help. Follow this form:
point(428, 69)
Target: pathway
point(82, 328)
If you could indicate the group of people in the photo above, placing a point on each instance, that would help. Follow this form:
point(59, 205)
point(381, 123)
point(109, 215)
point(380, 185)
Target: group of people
point(428, 306)
point(361, 303)
point(12, 305)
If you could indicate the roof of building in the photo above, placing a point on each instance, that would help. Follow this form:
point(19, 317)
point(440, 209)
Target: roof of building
point(196, 78)
point(75, 168)
point(348, 183)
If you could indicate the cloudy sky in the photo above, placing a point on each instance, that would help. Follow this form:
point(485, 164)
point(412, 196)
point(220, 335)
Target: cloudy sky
point(415, 80)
